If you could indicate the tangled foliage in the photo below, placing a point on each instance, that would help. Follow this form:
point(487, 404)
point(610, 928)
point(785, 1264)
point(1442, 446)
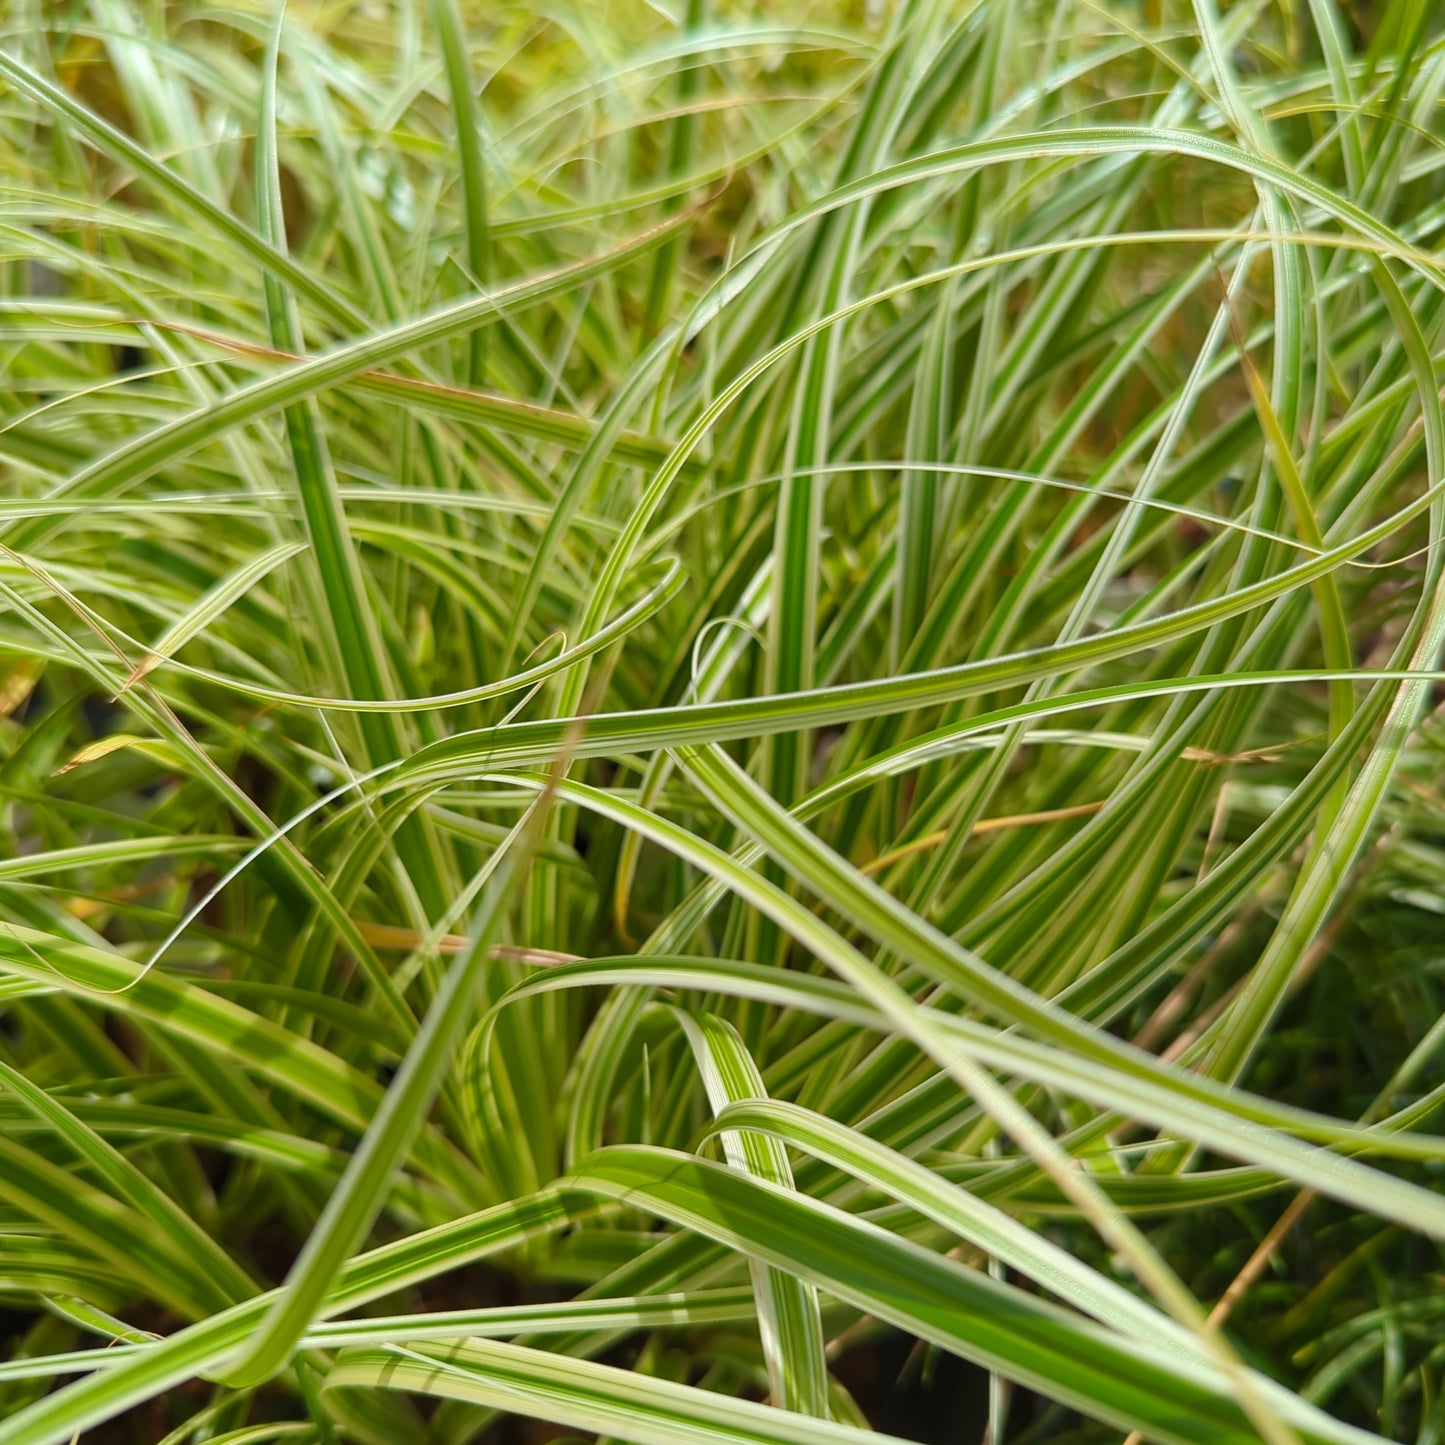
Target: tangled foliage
point(716, 721)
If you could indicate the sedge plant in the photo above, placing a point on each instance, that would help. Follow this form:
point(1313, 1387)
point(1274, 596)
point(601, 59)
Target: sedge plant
point(716, 718)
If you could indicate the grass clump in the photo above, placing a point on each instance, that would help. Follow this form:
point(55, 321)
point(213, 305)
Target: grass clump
point(708, 707)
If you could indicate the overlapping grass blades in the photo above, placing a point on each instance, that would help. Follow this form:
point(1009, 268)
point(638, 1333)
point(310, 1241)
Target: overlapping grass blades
point(682, 686)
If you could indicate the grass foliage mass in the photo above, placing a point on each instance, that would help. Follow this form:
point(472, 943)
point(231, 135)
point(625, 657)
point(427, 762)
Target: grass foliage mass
point(719, 722)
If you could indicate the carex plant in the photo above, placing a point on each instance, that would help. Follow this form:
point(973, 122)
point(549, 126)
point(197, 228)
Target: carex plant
point(695, 697)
